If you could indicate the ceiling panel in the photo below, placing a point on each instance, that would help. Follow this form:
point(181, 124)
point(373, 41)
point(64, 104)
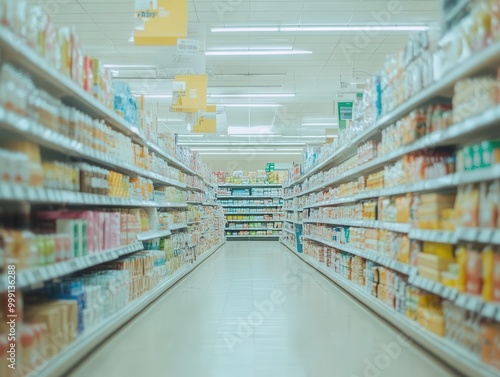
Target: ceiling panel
point(105, 27)
point(109, 7)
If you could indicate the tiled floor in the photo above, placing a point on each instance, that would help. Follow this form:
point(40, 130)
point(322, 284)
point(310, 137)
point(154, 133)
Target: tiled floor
point(255, 310)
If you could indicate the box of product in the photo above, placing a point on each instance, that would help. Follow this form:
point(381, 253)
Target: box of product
point(434, 262)
point(489, 152)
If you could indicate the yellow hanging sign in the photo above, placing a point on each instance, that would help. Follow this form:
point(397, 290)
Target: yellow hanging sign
point(207, 121)
point(160, 22)
point(189, 93)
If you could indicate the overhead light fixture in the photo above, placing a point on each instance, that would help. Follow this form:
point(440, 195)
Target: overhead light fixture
point(254, 95)
point(250, 131)
point(305, 137)
point(323, 28)
point(243, 29)
point(153, 95)
point(249, 151)
point(251, 74)
point(249, 148)
point(320, 124)
point(129, 66)
point(251, 105)
point(232, 143)
point(170, 120)
point(257, 52)
point(355, 28)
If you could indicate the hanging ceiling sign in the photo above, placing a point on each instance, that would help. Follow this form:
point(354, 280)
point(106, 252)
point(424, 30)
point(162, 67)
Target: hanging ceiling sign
point(188, 47)
point(189, 93)
point(345, 114)
point(160, 22)
point(171, 64)
point(207, 121)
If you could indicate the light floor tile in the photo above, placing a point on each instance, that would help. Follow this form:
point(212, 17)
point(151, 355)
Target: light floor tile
point(221, 321)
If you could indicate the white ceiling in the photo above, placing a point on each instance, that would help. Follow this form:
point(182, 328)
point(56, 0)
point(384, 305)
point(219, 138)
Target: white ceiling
point(105, 27)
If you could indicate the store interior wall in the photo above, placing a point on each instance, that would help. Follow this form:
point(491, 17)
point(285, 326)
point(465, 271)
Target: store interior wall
point(249, 162)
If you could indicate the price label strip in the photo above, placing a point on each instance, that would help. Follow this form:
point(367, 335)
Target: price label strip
point(485, 236)
point(461, 301)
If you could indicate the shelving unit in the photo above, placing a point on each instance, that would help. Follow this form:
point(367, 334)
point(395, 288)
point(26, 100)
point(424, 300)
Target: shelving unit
point(445, 349)
point(246, 197)
point(87, 342)
point(318, 192)
point(167, 265)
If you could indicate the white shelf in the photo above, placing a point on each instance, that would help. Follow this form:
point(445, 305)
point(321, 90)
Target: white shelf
point(251, 186)
point(191, 188)
point(49, 196)
point(253, 221)
point(288, 231)
point(472, 303)
point(433, 236)
point(251, 206)
point(151, 235)
point(173, 227)
point(91, 338)
point(369, 255)
point(395, 227)
point(348, 199)
point(443, 348)
point(293, 221)
point(251, 213)
point(37, 275)
point(249, 197)
point(254, 236)
point(292, 248)
point(29, 129)
point(441, 183)
point(252, 229)
point(201, 203)
point(462, 234)
point(292, 209)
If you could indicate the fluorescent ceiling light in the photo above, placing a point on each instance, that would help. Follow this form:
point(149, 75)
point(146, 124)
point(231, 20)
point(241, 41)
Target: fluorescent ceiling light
point(250, 105)
point(254, 95)
point(242, 29)
point(355, 28)
point(320, 124)
point(259, 130)
point(232, 143)
point(323, 28)
point(128, 66)
point(247, 148)
point(170, 120)
point(257, 52)
point(250, 74)
point(247, 152)
point(305, 137)
point(154, 95)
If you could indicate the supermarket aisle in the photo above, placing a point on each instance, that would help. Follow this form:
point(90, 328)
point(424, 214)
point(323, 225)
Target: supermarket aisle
point(255, 310)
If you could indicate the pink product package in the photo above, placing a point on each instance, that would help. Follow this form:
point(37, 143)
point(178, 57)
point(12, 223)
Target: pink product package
point(101, 221)
point(50, 217)
point(109, 230)
point(112, 236)
point(123, 228)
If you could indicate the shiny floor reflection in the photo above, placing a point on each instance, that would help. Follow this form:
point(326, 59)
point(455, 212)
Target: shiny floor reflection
point(255, 310)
